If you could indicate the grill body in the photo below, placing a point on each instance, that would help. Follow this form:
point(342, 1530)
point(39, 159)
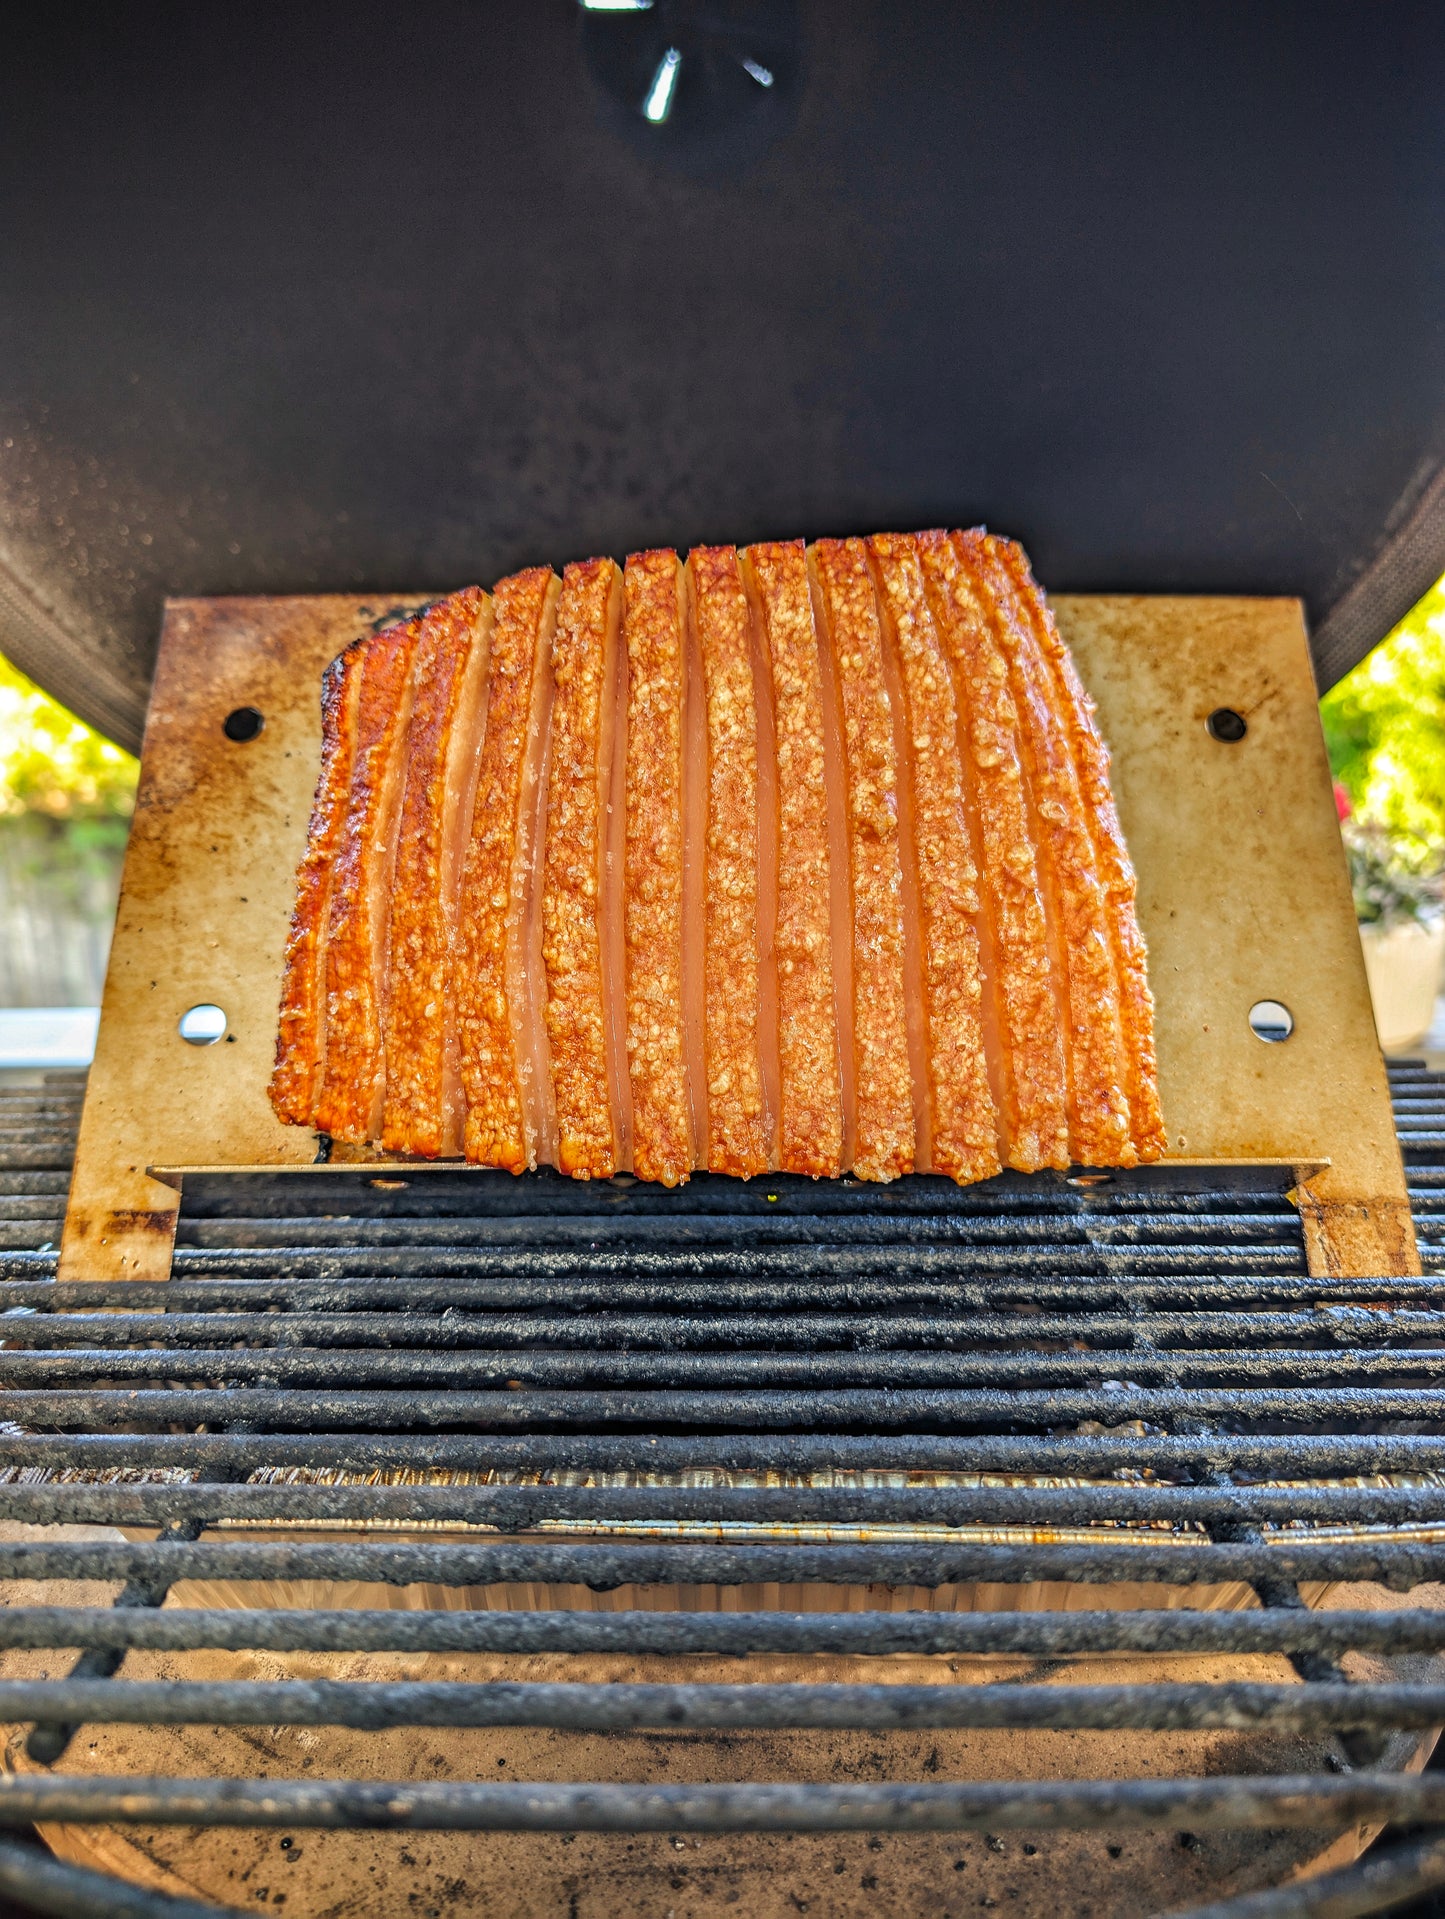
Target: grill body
point(780, 1544)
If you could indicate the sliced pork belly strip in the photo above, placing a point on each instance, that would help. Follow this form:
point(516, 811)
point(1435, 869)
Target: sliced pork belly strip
point(499, 1005)
point(810, 1131)
point(423, 1112)
point(884, 1083)
point(738, 1136)
point(915, 1013)
point(1114, 868)
point(769, 1063)
point(694, 877)
point(463, 769)
point(1025, 1005)
point(573, 932)
point(840, 871)
point(524, 951)
point(353, 1086)
point(964, 1126)
point(613, 756)
point(662, 1143)
point(1094, 1062)
point(301, 1031)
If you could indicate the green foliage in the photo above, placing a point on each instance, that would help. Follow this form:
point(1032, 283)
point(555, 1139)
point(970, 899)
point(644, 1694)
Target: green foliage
point(71, 864)
point(51, 763)
point(1385, 729)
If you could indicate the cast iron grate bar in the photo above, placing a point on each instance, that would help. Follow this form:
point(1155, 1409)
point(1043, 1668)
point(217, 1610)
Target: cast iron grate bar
point(1042, 1635)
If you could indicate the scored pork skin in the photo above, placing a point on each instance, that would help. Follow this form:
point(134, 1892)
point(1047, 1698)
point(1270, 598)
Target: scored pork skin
point(1024, 1001)
point(662, 1142)
point(884, 1079)
point(964, 1122)
point(353, 1086)
point(491, 975)
point(810, 1130)
point(423, 1112)
point(809, 857)
point(301, 1027)
point(573, 941)
point(738, 1132)
point(1100, 816)
point(1083, 959)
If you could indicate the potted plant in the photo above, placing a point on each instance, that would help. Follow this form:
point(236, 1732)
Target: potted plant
point(1398, 897)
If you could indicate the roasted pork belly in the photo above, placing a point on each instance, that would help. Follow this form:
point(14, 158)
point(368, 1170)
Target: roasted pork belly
point(1024, 1001)
point(962, 1121)
point(653, 632)
point(796, 860)
point(497, 961)
point(425, 1111)
point(739, 1129)
point(809, 1098)
point(1081, 955)
point(350, 1103)
point(301, 1026)
point(577, 905)
point(884, 1143)
point(1115, 871)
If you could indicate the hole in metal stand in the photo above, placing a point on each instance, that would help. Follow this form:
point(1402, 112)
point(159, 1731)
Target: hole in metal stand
point(243, 724)
point(1226, 725)
point(201, 1025)
point(1271, 1021)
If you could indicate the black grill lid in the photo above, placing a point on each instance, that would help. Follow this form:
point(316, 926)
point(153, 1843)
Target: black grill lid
point(347, 296)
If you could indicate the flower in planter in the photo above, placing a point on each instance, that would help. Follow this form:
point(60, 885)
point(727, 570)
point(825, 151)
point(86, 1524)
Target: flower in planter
point(1393, 881)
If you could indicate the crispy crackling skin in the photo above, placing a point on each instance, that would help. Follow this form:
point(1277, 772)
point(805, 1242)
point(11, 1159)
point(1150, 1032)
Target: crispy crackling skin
point(1025, 1005)
point(484, 980)
point(885, 1124)
point(965, 1125)
point(811, 1123)
point(1115, 869)
point(354, 1085)
point(420, 1116)
point(575, 851)
point(301, 1030)
point(652, 903)
point(737, 1141)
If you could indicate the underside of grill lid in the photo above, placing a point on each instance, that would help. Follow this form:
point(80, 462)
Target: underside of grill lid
point(360, 298)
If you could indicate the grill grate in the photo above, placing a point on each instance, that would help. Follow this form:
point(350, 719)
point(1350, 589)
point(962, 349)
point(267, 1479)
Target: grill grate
point(1104, 1378)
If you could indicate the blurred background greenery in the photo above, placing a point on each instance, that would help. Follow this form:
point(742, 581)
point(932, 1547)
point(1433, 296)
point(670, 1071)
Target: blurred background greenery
point(65, 802)
point(1385, 729)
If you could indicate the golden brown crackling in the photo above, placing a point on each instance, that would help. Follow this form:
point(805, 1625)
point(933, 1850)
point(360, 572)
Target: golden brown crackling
point(571, 905)
point(1098, 1106)
point(1115, 870)
point(496, 1133)
point(353, 1086)
point(885, 1128)
point(652, 891)
point(737, 1140)
point(420, 930)
point(301, 1029)
point(811, 1130)
point(965, 1124)
point(1025, 1003)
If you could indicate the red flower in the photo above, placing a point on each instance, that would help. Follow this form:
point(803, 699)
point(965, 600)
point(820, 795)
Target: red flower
point(1342, 801)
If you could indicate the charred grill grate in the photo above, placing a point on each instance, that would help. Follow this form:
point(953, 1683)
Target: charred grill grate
point(458, 1379)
